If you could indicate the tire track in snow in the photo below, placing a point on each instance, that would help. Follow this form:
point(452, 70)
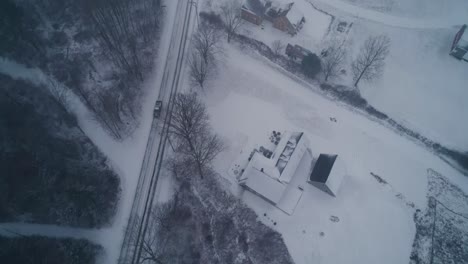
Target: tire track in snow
point(26, 229)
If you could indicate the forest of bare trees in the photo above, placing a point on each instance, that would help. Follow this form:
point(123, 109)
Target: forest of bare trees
point(99, 50)
point(51, 172)
point(38, 249)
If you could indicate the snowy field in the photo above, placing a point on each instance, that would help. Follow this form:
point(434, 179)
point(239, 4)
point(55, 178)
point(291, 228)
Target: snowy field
point(422, 86)
point(410, 8)
point(251, 97)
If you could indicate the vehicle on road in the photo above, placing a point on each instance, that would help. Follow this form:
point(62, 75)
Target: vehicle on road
point(157, 109)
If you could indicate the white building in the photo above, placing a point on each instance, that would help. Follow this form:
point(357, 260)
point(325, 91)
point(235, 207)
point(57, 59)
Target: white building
point(328, 173)
point(269, 177)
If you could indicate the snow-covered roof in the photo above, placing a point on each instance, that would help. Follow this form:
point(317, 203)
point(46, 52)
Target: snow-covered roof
point(261, 183)
point(278, 170)
point(277, 8)
point(294, 15)
point(261, 162)
point(255, 6)
point(336, 176)
point(289, 153)
point(279, 4)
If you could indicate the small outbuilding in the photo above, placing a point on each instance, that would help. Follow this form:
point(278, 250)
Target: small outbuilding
point(460, 44)
point(328, 173)
point(297, 52)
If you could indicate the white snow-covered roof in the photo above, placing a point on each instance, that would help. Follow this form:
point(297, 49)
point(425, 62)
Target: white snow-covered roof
point(254, 6)
point(275, 172)
point(262, 184)
point(295, 15)
point(336, 176)
point(261, 162)
point(292, 154)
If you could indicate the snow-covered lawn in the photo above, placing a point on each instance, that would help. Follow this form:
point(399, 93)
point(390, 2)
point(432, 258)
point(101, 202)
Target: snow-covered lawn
point(422, 86)
point(449, 11)
point(251, 97)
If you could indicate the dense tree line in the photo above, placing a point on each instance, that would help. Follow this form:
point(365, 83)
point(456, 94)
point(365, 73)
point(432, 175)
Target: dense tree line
point(45, 250)
point(101, 50)
point(204, 223)
point(50, 171)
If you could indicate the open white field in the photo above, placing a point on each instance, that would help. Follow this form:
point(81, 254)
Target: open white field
point(251, 97)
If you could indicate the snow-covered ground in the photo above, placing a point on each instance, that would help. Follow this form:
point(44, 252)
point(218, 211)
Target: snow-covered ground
point(422, 86)
point(446, 11)
point(251, 97)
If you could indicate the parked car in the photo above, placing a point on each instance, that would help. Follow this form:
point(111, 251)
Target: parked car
point(157, 109)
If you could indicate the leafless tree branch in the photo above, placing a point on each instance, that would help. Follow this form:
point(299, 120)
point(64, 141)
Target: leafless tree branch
point(231, 17)
point(200, 69)
point(277, 47)
point(332, 59)
point(371, 59)
point(190, 126)
point(206, 42)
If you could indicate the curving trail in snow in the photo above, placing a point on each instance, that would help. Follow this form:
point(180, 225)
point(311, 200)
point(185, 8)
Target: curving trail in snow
point(387, 19)
point(26, 229)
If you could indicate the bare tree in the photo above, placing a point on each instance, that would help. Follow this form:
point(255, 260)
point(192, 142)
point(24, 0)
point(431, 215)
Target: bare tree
point(206, 42)
point(332, 59)
point(231, 17)
point(277, 47)
point(371, 59)
point(189, 125)
point(168, 238)
point(200, 70)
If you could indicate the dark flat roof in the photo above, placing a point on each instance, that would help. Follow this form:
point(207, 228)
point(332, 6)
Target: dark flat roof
point(322, 168)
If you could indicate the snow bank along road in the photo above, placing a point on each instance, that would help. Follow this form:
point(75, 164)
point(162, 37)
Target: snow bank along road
point(387, 19)
point(152, 162)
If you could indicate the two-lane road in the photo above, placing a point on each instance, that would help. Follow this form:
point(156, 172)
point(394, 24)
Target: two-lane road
point(156, 146)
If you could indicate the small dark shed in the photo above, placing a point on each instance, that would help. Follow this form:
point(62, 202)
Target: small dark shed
point(328, 173)
point(460, 44)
